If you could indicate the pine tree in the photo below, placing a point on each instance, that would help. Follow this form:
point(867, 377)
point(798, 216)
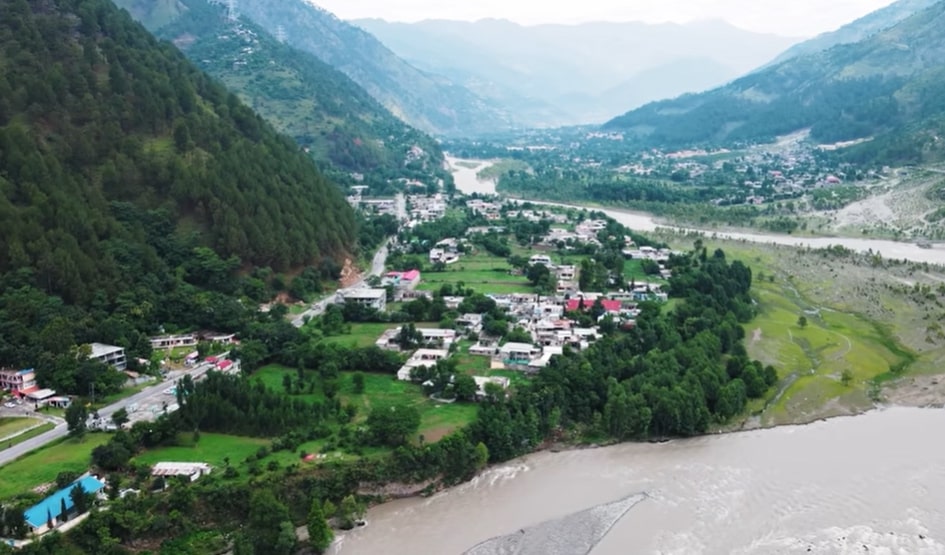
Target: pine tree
point(319, 533)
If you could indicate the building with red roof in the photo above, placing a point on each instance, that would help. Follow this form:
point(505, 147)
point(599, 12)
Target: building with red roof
point(609, 305)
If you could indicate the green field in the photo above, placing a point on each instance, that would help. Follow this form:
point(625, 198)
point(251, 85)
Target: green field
point(436, 419)
point(361, 335)
point(482, 272)
point(42, 466)
point(211, 448)
point(811, 360)
point(10, 426)
point(29, 434)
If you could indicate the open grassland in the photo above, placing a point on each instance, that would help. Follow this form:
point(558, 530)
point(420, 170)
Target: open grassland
point(482, 272)
point(360, 335)
point(871, 333)
point(15, 425)
point(210, 448)
point(43, 465)
point(28, 434)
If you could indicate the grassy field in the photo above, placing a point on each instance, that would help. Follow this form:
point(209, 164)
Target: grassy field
point(480, 271)
point(29, 434)
point(10, 426)
point(211, 448)
point(361, 335)
point(42, 466)
point(813, 359)
point(436, 419)
point(859, 324)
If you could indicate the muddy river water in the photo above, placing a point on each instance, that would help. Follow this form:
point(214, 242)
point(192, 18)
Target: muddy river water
point(873, 483)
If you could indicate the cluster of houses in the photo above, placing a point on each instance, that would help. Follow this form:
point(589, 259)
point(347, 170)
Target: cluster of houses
point(426, 208)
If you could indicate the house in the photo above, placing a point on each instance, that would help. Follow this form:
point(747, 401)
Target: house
point(484, 349)
point(374, 298)
point(47, 514)
point(217, 337)
point(40, 396)
point(18, 381)
point(470, 322)
point(431, 336)
point(422, 357)
point(584, 305)
point(565, 272)
point(173, 341)
point(402, 280)
point(545, 357)
point(109, 354)
point(481, 382)
point(542, 259)
point(518, 353)
point(191, 470)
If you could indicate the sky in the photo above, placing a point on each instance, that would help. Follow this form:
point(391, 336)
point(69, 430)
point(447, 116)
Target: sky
point(794, 18)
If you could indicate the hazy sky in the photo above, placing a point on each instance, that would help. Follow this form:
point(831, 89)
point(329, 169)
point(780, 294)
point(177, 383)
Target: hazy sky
point(784, 17)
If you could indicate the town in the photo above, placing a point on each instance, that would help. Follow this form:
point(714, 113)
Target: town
point(477, 294)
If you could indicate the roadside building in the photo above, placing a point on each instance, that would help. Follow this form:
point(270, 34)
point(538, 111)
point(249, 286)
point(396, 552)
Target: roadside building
point(40, 396)
point(18, 382)
point(373, 298)
point(173, 341)
point(109, 354)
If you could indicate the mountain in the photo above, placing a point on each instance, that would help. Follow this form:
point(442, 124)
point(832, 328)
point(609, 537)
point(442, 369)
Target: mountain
point(862, 28)
point(881, 87)
point(426, 101)
point(341, 125)
point(566, 74)
point(124, 169)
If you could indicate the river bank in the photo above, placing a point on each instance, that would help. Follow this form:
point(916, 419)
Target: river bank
point(826, 487)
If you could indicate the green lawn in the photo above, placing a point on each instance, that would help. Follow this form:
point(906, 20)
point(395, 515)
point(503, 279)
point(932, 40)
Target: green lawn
point(482, 272)
point(362, 335)
point(42, 466)
point(10, 426)
point(211, 448)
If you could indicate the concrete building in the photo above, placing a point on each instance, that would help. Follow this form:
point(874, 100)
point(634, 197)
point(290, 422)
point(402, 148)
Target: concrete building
point(48, 513)
point(109, 354)
point(173, 341)
point(191, 470)
point(481, 382)
point(519, 353)
point(18, 381)
point(422, 357)
point(374, 298)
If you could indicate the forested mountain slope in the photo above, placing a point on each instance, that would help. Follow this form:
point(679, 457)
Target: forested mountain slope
point(303, 97)
point(134, 184)
point(858, 30)
point(881, 87)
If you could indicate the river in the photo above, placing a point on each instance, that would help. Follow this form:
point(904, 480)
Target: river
point(467, 182)
point(873, 483)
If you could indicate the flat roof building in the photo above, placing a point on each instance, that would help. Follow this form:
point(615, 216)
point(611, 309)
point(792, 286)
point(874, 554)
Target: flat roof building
point(109, 354)
point(374, 298)
point(191, 470)
point(49, 510)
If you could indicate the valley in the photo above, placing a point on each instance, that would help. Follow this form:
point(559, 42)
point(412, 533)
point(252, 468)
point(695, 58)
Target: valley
point(277, 283)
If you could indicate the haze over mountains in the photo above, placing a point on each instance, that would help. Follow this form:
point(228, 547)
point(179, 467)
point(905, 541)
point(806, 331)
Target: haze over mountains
point(549, 75)
point(887, 86)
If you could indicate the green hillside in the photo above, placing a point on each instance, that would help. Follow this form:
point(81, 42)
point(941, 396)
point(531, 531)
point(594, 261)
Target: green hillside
point(884, 87)
point(343, 127)
point(135, 188)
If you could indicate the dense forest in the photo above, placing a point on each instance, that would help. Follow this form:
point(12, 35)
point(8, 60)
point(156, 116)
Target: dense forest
point(343, 127)
point(137, 192)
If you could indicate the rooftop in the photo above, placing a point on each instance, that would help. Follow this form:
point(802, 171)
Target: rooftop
point(101, 349)
point(179, 468)
point(365, 294)
point(39, 514)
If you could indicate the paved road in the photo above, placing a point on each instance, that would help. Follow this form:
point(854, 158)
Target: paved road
point(149, 396)
point(377, 269)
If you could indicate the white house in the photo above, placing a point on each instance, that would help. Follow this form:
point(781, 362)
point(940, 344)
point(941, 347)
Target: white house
point(519, 353)
point(188, 469)
point(374, 298)
point(420, 358)
point(109, 354)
